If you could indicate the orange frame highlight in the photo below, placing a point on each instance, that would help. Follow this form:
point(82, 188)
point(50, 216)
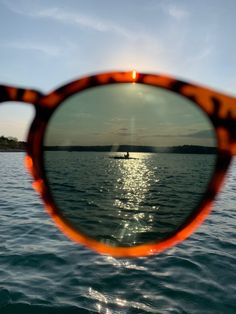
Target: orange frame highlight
point(220, 109)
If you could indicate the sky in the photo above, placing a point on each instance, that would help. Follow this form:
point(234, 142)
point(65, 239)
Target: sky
point(45, 44)
point(128, 114)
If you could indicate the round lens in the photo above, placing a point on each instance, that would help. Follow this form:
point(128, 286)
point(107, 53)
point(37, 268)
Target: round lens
point(128, 164)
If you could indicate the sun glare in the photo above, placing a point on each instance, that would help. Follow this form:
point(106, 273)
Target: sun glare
point(134, 75)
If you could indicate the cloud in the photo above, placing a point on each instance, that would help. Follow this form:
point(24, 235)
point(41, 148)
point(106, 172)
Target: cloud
point(123, 132)
point(20, 7)
point(201, 55)
point(123, 129)
point(158, 135)
point(199, 134)
point(83, 20)
point(50, 50)
point(176, 12)
point(69, 17)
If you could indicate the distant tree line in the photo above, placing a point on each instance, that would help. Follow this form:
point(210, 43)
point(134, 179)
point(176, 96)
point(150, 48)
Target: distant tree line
point(11, 143)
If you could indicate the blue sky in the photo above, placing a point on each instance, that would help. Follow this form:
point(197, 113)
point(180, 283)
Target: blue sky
point(47, 43)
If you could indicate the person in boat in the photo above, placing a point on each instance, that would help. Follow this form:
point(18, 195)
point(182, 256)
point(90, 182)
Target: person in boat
point(127, 155)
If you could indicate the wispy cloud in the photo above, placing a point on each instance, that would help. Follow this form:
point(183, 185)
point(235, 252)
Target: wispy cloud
point(177, 12)
point(174, 10)
point(53, 51)
point(20, 7)
point(123, 132)
point(69, 17)
point(200, 57)
point(199, 134)
point(83, 20)
point(49, 49)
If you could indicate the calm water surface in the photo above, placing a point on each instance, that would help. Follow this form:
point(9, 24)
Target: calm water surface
point(43, 272)
point(127, 201)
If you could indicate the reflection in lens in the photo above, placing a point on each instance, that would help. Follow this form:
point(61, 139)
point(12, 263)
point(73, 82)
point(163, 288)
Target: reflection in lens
point(127, 164)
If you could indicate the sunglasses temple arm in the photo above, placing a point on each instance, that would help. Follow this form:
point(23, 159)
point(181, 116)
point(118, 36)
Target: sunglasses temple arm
point(9, 93)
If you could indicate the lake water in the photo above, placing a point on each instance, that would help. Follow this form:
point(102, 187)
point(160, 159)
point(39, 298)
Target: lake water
point(43, 272)
point(127, 201)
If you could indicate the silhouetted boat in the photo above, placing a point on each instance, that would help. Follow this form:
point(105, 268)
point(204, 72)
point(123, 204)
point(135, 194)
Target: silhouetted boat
point(121, 157)
point(126, 156)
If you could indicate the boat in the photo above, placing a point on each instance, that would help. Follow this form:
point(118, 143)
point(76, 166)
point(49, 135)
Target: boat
point(126, 156)
point(121, 157)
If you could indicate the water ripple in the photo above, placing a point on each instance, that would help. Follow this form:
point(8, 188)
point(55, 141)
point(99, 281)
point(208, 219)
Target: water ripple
point(43, 272)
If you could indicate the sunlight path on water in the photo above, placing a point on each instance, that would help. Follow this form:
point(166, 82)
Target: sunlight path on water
point(133, 183)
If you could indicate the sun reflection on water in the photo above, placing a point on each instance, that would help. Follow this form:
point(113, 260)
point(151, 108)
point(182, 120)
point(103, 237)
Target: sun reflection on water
point(102, 301)
point(132, 186)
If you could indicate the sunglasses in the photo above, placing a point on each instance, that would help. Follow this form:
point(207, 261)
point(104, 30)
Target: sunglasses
point(128, 164)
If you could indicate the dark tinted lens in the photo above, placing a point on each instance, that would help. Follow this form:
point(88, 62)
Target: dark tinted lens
point(128, 163)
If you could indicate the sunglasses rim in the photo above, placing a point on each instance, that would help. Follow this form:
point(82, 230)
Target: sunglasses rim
point(201, 96)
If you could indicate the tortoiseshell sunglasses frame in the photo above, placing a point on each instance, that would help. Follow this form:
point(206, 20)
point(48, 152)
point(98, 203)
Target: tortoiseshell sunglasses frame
point(220, 109)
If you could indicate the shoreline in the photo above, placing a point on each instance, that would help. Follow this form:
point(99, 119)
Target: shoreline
point(12, 150)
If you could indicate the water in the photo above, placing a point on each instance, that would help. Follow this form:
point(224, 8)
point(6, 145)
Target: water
point(127, 201)
point(43, 272)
